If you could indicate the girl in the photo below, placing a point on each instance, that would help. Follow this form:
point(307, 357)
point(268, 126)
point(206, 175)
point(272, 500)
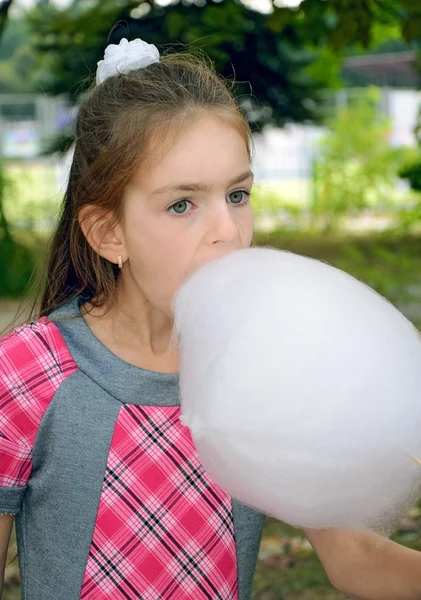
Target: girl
point(104, 482)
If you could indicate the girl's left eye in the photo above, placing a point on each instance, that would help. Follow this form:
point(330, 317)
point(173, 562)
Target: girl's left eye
point(242, 196)
point(239, 197)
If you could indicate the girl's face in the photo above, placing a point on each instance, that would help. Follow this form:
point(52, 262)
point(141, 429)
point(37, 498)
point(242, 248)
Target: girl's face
point(192, 207)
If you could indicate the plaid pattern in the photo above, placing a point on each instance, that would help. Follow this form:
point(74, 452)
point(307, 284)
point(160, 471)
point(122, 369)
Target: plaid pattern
point(164, 530)
point(34, 360)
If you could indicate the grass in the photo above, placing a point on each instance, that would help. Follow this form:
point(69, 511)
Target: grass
point(288, 568)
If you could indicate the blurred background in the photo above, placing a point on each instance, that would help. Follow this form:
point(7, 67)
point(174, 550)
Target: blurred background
point(331, 89)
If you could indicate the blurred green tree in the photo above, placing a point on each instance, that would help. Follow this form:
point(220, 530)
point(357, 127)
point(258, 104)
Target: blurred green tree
point(290, 54)
point(4, 11)
point(296, 52)
point(17, 60)
point(17, 264)
point(357, 168)
point(4, 228)
point(411, 170)
point(70, 42)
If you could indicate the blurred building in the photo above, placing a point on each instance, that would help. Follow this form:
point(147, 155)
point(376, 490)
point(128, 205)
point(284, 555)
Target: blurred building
point(398, 76)
point(28, 122)
point(388, 70)
point(284, 157)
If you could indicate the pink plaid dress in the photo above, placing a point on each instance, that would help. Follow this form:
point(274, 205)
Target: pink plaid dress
point(163, 529)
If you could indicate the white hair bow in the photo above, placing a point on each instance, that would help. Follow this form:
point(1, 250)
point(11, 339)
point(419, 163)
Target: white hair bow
point(125, 57)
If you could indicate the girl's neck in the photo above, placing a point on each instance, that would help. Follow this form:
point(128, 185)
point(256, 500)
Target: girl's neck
point(131, 338)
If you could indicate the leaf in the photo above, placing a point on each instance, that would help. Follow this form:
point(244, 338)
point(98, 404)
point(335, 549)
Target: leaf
point(175, 23)
point(279, 19)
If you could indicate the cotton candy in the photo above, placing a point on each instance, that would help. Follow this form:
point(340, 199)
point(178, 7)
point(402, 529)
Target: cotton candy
point(301, 387)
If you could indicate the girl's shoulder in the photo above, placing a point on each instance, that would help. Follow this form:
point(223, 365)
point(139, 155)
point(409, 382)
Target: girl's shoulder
point(34, 361)
point(34, 356)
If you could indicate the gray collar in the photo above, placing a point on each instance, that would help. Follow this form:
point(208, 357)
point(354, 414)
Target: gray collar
point(125, 382)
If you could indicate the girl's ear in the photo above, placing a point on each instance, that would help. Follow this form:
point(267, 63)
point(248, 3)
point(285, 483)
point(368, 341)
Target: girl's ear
point(105, 237)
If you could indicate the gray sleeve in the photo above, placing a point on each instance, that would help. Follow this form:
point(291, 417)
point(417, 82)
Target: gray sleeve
point(11, 499)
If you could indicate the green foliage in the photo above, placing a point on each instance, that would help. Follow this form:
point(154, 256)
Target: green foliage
point(412, 172)
point(342, 23)
point(327, 66)
point(386, 266)
point(357, 168)
point(70, 42)
point(267, 200)
point(297, 52)
point(17, 262)
point(11, 37)
point(16, 268)
point(31, 201)
point(17, 60)
point(4, 187)
point(411, 169)
point(268, 203)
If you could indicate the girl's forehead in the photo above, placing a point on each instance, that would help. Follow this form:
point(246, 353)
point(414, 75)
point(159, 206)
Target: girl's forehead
point(200, 134)
point(206, 150)
point(170, 179)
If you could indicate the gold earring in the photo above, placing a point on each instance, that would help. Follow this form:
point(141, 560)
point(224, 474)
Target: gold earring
point(120, 262)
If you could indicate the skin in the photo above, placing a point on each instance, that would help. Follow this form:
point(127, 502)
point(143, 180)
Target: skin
point(365, 566)
point(161, 244)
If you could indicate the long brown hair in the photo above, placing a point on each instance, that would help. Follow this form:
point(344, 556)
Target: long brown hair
point(115, 125)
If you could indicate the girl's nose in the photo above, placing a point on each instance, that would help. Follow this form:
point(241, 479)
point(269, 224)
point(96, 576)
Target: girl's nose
point(224, 227)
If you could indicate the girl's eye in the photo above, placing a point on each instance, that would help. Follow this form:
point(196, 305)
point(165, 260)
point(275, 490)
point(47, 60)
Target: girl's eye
point(179, 207)
point(238, 197)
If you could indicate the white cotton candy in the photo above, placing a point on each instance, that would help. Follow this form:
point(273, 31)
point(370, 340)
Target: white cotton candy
point(302, 389)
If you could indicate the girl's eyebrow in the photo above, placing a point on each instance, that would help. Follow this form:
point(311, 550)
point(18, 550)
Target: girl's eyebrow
point(198, 187)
